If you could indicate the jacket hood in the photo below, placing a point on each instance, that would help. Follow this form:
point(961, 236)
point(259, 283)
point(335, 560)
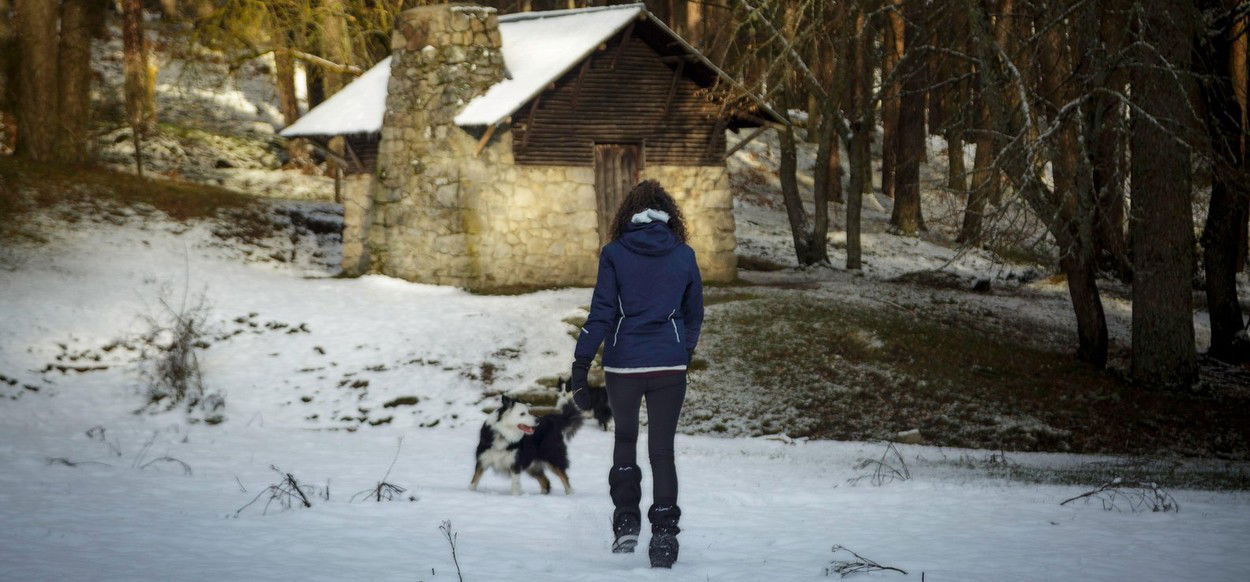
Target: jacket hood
point(649, 234)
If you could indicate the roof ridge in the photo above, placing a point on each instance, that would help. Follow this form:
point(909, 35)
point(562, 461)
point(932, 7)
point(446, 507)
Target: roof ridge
point(520, 16)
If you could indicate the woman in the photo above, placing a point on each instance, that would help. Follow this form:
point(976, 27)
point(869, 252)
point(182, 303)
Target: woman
point(647, 309)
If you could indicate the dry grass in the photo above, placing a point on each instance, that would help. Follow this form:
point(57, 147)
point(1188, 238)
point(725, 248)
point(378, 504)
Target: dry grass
point(28, 186)
point(815, 366)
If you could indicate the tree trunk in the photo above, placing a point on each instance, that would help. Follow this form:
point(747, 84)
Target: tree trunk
point(1240, 72)
point(893, 46)
point(1162, 227)
point(858, 77)
point(1230, 200)
point(135, 67)
point(284, 82)
point(1091, 322)
point(37, 91)
point(694, 22)
point(78, 21)
point(907, 217)
point(335, 44)
point(795, 213)
point(956, 179)
point(984, 178)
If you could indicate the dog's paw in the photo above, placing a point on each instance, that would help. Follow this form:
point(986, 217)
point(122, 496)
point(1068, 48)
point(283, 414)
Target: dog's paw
point(472, 486)
point(568, 491)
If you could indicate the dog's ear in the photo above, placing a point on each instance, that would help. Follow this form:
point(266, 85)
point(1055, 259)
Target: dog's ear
point(507, 402)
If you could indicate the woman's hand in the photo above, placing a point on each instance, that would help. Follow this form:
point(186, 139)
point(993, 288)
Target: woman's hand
point(577, 377)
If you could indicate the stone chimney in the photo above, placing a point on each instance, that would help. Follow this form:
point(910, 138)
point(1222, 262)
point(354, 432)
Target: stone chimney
point(441, 57)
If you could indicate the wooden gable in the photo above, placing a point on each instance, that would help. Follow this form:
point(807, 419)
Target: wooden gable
point(626, 93)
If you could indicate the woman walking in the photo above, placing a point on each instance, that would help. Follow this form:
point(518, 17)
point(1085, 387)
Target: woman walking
point(647, 309)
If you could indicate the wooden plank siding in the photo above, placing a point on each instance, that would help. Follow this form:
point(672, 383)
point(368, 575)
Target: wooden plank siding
point(627, 104)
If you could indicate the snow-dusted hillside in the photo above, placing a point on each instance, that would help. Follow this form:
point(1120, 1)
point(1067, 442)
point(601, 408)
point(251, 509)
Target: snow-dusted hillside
point(314, 370)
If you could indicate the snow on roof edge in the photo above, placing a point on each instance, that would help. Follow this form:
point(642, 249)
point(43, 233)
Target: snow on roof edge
point(356, 108)
point(516, 16)
point(466, 116)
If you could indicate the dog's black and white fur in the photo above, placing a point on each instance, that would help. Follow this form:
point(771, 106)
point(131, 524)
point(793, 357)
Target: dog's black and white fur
point(512, 441)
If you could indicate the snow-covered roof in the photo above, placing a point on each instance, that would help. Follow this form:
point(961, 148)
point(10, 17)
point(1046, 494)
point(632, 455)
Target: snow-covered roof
point(539, 47)
point(356, 108)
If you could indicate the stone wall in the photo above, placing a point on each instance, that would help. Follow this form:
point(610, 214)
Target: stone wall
point(358, 218)
point(441, 214)
point(703, 194)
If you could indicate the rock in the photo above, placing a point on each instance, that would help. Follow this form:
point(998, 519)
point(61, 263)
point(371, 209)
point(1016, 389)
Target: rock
point(909, 437)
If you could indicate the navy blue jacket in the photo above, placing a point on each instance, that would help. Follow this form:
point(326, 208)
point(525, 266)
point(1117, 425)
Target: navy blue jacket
point(648, 302)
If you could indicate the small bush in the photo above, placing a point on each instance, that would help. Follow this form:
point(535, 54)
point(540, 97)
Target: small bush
point(171, 365)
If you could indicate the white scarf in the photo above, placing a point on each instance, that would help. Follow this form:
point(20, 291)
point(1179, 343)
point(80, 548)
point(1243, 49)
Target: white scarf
point(649, 215)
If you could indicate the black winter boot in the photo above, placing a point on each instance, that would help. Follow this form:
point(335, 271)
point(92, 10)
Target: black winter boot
point(625, 486)
point(664, 530)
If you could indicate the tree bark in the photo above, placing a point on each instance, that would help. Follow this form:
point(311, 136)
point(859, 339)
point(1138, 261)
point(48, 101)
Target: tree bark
point(907, 217)
point(893, 43)
point(984, 178)
point(1230, 198)
point(694, 22)
point(857, 78)
point(335, 44)
point(139, 113)
point(37, 98)
point(1161, 224)
point(79, 19)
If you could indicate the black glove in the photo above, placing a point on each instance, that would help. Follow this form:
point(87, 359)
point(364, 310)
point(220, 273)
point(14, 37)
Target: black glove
point(579, 385)
point(577, 377)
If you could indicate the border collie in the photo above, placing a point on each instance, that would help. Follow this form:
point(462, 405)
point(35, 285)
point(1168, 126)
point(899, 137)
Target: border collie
point(512, 441)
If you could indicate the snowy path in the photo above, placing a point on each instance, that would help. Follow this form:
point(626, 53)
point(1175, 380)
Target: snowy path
point(752, 510)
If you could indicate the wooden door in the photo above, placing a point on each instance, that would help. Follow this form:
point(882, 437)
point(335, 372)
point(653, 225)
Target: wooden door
point(617, 169)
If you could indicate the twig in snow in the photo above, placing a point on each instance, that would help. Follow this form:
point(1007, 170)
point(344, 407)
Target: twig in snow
point(143, 451)
point(445, 527)
point(883, 470)
point(1139, 496)
point(96, 433)
point(385, 491)
point(855, 564)
point(287, 493)
point(68, 463)
point(186, 469)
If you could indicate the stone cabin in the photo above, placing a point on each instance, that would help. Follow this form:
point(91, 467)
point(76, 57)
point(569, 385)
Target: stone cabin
point(492, 151)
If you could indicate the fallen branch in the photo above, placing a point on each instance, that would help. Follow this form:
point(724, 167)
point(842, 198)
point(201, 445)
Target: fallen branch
point(856, 564)
point(1138, 495)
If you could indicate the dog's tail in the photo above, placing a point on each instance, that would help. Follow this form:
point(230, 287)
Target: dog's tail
point(568, 419)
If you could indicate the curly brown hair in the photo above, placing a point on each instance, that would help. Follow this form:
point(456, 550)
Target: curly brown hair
point(648, 194)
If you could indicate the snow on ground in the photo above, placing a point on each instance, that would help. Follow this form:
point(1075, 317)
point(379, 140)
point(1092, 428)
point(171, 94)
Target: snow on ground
point(753, 508)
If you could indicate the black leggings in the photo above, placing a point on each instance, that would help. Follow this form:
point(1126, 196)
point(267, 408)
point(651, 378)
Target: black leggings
point(664, 398)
